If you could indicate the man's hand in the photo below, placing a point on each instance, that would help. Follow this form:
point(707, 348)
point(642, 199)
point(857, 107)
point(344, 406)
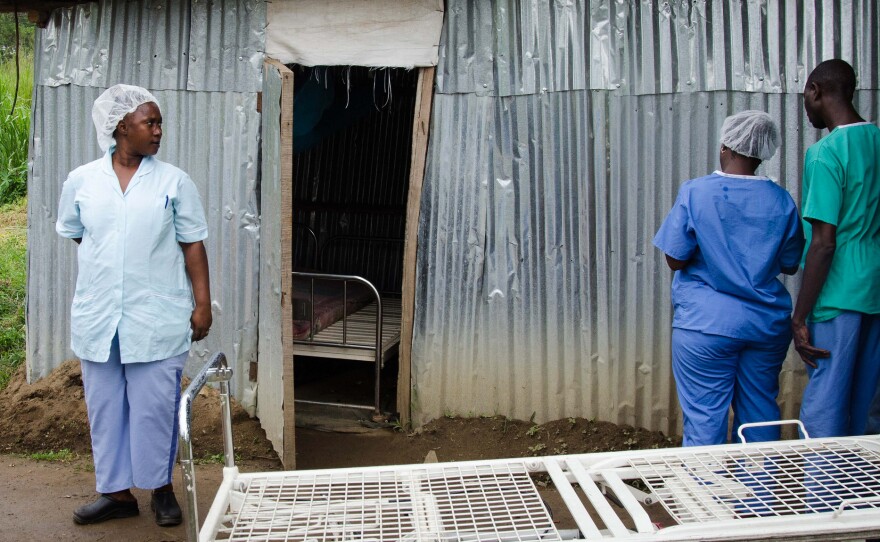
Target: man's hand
point(807, 351)
point(200, 321)
point(816, 267)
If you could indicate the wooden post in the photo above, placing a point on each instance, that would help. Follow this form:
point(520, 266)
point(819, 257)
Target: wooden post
point(421, 126)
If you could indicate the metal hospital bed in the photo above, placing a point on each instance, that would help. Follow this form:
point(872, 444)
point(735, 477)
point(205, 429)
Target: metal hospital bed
point(810, 489)
point(344, 316)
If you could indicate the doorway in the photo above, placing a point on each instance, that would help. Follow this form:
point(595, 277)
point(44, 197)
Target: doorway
point(352, 148)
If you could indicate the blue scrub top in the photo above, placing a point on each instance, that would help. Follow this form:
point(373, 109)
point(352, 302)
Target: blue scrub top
point(737, 232)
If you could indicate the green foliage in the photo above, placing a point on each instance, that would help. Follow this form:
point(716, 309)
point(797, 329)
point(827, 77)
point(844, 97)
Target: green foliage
point(13, 277)
point(214, 459)
point(399, 427)
point(7, 36)
point(14, 135)
point(14, 128)
point(534, 450)
point(62, 456)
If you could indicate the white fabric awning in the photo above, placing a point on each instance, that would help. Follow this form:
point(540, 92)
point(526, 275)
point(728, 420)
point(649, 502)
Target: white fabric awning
point(392, 33)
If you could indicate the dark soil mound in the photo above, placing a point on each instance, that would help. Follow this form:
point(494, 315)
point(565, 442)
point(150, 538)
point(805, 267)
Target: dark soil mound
point(499, 437)
point(50, 415)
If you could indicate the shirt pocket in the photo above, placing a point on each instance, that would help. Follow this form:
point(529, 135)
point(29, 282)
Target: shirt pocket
point(163, 218)
point(172, 309)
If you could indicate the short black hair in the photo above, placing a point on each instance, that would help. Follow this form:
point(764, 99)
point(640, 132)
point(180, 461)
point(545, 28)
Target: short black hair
point(835, 77)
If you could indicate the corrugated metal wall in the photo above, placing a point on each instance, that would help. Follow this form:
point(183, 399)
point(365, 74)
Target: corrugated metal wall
point(214, 136)
point(560, 134)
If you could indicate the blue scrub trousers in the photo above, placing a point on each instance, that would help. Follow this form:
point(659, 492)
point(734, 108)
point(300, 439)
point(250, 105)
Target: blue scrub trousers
point(133, 417)
point(873, 427)
point(713, 373)
point(840, 391)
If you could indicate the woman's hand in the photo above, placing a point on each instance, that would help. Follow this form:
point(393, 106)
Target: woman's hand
point(196, 260)
point(200, 321)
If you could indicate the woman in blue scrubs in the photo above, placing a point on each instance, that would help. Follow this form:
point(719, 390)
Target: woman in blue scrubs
point(728, 237)
point(142, 295)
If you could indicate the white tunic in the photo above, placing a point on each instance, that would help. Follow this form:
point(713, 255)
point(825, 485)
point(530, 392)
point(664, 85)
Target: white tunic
point(131, 276)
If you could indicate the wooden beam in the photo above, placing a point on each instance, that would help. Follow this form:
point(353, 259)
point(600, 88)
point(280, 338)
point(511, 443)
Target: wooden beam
point(289, 453)
point(38, 13)
point(40, 18)
point(421, 127)
point(38, 5)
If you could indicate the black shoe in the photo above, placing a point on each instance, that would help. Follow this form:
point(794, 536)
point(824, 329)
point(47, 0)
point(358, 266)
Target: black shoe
point(167, 511)
point(104, 508)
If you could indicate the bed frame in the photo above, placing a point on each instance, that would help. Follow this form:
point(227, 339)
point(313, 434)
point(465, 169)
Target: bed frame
point(810, 489)
point(370, 333)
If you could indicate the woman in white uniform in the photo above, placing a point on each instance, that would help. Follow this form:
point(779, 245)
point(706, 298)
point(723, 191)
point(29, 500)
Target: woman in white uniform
point(142, 295)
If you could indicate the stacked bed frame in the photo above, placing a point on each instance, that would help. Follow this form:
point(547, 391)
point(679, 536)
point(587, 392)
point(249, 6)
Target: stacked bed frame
point(809, 489)
point(346, 317)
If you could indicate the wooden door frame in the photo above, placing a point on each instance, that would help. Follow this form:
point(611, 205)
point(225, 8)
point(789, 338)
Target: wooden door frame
point(420, 133)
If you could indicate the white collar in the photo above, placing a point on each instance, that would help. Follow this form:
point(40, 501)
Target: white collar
point(749, 177)
point(864, 122)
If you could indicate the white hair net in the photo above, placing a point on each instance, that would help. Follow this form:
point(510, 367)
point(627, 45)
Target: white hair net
point(751, 133)
point(112, 105)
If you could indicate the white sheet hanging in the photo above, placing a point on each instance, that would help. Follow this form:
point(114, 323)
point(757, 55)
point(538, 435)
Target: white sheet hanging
point(393, 33)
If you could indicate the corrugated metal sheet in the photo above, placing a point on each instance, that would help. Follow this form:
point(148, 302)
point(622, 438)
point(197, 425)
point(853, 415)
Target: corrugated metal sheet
point(226, 45)
point(158, 44)
point(539, 290)
point(270, 390)
point(103, 43)
point(214, 136)
point(515, 47)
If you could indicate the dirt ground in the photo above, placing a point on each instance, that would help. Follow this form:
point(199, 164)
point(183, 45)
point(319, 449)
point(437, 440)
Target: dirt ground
point(38, 496)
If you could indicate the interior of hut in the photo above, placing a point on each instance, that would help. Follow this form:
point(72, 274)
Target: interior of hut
point(352, 137)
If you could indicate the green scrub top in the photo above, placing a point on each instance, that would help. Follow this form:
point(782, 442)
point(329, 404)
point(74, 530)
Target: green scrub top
point(842, 187)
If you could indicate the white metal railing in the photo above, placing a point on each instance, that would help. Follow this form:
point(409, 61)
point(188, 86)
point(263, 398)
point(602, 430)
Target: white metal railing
point(215, 370)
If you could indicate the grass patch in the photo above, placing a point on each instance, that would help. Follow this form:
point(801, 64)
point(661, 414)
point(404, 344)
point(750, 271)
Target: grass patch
point(13, 278)
point(61, 456)
point(214, 459)
point(14, 128)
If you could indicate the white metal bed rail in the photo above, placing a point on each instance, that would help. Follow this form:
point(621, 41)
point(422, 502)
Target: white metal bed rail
point(823, 489)
point(215, 370)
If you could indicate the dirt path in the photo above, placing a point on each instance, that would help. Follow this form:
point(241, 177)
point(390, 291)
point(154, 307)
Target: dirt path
point(39, 497)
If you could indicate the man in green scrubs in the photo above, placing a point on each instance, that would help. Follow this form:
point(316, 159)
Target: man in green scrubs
point(836, 321)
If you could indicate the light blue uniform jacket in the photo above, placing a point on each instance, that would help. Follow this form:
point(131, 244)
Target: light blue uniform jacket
point(131, 275)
